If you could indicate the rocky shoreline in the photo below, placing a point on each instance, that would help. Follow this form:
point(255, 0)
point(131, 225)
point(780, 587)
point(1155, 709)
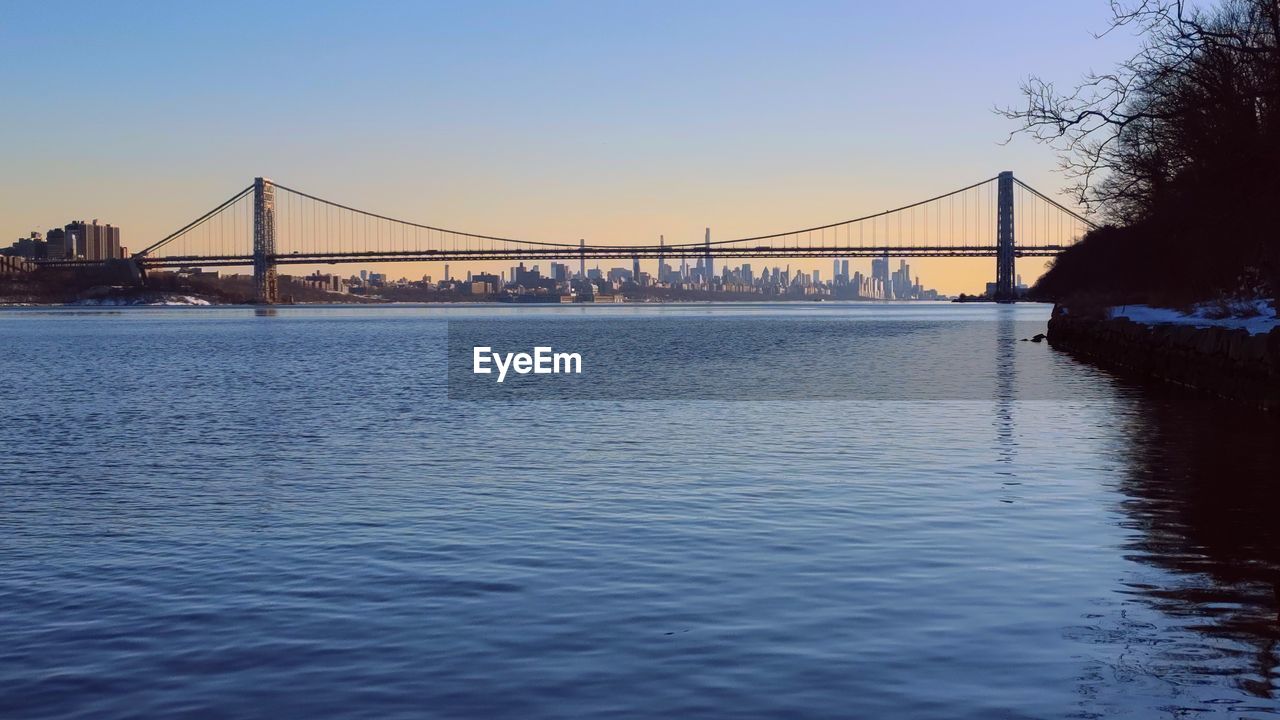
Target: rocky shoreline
point(1229, 363)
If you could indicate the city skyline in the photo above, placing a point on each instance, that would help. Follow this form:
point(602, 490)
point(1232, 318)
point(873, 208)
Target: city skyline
point(882, 282)
point(555, 123)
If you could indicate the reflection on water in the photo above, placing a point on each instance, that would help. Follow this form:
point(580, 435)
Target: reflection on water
point(1005, 360)
point(1201, 500)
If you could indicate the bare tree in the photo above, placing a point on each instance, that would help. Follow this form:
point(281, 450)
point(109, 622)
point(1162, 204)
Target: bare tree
point(1191, 119)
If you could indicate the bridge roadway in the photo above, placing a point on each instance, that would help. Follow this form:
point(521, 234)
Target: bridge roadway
point(613, 252)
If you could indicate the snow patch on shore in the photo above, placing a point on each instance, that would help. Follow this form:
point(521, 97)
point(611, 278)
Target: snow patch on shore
point(166, 300)
point(1255, 316)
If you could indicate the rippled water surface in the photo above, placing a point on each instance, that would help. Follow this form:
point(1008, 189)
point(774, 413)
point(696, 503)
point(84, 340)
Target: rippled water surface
point(223, 512)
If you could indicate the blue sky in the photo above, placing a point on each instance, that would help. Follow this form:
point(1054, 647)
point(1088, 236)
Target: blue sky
point(607, 120)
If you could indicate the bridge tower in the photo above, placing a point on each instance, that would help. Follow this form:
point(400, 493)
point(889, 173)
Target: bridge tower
point(1005, 291)
point(264, 241)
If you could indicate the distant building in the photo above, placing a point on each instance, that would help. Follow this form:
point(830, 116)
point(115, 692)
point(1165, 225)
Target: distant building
point(880, 282)
point(10, 265)
point(485, 284)
point(56, 244)
point(317, 281)
point(526, 277)
point(31, 247)
point(91, 241)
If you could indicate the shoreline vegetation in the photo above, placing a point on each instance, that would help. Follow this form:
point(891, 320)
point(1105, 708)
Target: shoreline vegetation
point(1177, 151)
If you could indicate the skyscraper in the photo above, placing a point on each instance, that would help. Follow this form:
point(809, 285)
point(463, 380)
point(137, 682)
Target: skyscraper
point(880, 276)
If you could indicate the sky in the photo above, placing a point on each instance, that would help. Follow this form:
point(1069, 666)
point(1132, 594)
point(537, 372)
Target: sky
point(610, 121)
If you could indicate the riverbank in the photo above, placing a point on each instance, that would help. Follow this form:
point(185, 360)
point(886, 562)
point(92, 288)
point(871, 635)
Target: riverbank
point(1216, 358)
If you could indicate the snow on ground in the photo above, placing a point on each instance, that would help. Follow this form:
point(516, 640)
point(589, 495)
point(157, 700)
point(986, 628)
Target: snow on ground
point(122, 301)
point(1255, 316)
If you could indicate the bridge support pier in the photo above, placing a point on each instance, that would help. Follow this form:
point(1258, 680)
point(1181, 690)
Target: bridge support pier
point(1005, 290)
point(264, 242)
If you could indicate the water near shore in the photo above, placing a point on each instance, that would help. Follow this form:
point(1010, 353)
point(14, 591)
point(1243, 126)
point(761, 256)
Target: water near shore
point(215, 512)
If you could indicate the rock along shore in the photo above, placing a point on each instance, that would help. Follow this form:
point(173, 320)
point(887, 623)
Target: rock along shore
point(1229, 363)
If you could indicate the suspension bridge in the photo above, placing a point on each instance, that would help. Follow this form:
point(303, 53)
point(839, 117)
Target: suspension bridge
point(268, 224)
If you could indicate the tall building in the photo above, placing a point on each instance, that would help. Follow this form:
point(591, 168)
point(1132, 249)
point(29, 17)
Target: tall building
point(880, 280)
point(91, 241)
point(112, 243)
point(56, 244)
point(78, 238)
point(527, 277)
point(900, 283)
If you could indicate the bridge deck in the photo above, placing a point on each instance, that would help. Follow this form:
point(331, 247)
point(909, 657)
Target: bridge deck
point(588, 253)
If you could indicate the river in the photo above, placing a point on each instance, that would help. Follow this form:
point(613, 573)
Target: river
point(784, 510)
